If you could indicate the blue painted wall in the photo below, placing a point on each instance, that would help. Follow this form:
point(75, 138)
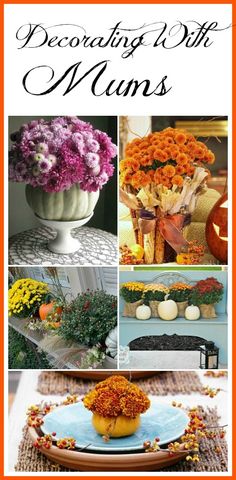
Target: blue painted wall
point(148, 275)
point(210, 329)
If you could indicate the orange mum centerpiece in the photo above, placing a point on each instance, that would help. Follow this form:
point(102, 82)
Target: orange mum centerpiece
point(116, 404)
point(161, 177)
point(163, 158)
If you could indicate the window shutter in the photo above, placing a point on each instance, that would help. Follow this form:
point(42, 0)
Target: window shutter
point(107, 277)
point(40, 274)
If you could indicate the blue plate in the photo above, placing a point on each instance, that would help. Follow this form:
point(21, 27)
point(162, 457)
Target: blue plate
point(161, 420)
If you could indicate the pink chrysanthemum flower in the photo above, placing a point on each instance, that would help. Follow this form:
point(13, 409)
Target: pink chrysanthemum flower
point(59, 153)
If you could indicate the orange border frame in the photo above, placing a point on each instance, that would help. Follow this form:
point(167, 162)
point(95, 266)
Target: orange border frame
point(2, 3)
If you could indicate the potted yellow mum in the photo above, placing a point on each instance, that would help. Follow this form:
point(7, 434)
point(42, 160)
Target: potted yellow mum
point(132, 293)
point(25, 296)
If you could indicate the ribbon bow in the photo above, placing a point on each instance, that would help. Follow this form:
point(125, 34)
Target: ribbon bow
point(170, 226)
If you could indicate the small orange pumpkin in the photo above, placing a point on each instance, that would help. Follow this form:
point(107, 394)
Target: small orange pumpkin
point(217, 229)
point(47, 308)
point(55, 325)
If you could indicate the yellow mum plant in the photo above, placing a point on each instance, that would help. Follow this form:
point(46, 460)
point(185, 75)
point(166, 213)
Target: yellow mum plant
point(180, 291)
point(155, 292)
point(132, 291)
point(25, 296)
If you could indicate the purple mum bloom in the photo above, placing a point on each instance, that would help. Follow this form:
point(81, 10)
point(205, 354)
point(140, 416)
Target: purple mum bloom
point(59, 153)
point(92, 145)
point(44, 165)
point(92, 160)
point(21, 168)
point(42, 148)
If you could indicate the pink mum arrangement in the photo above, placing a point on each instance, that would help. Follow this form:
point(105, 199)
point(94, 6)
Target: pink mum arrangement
point(58, 153)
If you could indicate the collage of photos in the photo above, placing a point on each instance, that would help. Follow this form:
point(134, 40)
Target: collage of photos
point(118, 304)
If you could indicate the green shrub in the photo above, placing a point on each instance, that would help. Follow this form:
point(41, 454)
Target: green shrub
point(89, 318)
point(23, 354)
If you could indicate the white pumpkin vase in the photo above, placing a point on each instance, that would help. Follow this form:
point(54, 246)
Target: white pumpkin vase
point(64, 206)
point(56, 158)
point(143, 312)
point(192, 313)
point(167, 309)
point(62, 211)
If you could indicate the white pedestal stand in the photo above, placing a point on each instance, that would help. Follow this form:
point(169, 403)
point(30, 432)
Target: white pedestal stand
point(64, 243)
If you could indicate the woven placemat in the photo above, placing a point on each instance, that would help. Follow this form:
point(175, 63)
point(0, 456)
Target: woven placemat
point(163, 383)
point(32, 460)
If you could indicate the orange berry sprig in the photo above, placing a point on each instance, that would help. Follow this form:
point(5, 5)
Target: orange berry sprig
point(44, 441)
point(210, 392)
point(127, 257)
point(190, 441)
point(70, 399)
point(35, 413)
point(176, 404)
point(152, 446)
point(216, 374)
point(66, 443)
point(195, 247)
point(193, 255)
point(34, 416)
point(35, 421)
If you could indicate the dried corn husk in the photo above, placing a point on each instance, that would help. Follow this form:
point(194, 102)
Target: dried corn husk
point(159, 242)
point(149, 243)
point(140, 238)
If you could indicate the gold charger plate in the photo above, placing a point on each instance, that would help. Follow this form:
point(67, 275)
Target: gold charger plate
point(94, 462)
point(102, 374)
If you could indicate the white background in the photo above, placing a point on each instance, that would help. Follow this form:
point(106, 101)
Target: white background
point(200, 77)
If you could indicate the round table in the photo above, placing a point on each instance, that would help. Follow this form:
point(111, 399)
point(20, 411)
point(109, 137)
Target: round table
point(30, 248)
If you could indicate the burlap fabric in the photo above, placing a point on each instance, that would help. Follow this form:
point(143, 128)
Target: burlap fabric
point(153, 304)
point(207, 311)
point(163, 383)
point(181, 308)
point(130, 308)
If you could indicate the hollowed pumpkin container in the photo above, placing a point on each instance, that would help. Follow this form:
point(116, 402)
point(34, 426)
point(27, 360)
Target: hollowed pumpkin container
point(217, 229)
point(68, 205)
point(120, 426)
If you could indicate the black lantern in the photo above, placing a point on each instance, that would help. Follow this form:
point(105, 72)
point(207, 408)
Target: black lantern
point(209, 356)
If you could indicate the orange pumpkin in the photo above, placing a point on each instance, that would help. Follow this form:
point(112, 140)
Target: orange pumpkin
point(217, 229)
point(55, 325)
point(47, 308)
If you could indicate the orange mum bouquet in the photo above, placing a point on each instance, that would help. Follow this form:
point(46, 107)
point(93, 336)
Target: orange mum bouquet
point(161, 177)
point(116, 405)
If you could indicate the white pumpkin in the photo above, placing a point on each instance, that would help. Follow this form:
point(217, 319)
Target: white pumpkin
point(111, 343)
point(68, 205)
point(167, 309)
point(143, 312)
point(192, 313)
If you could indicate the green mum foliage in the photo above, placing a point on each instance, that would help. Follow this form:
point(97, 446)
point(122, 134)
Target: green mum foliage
point(89, 318)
